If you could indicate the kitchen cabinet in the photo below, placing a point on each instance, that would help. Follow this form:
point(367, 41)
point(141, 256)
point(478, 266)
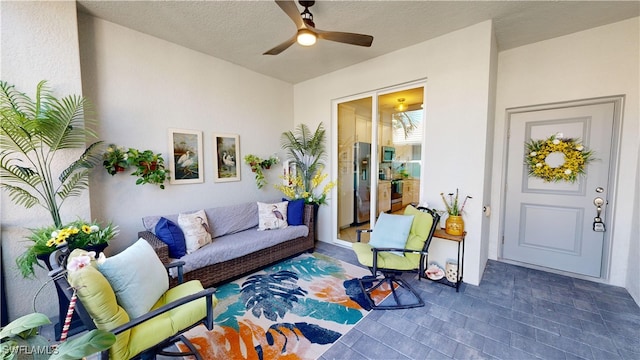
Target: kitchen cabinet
point(410, 191)
point(363, 128)
point(384, 196)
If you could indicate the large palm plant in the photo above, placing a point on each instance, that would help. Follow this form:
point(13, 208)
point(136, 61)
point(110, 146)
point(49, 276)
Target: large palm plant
point(307, 151)
point(31, 134)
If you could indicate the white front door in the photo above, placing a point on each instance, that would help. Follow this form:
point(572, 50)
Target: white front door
point(551, 224)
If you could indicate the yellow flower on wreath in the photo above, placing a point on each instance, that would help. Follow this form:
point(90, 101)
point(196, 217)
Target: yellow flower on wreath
point(576, 157)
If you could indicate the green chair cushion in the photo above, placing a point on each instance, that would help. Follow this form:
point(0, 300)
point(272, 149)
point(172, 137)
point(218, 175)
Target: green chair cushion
point(98, 298)
point(420, 229)
point(418, 233)
point(169, 323)
point(386, 260)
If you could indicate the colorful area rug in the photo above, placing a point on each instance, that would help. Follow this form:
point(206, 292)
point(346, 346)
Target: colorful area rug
point(293, 310)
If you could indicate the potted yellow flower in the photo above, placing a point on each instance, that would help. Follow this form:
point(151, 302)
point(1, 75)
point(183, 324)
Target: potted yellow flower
point(79, 234)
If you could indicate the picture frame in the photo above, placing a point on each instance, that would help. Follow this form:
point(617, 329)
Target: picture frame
point(185, 156)
point(227, 161)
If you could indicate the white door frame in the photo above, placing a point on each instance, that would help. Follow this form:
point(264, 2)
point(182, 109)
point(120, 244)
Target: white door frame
point(618, 102)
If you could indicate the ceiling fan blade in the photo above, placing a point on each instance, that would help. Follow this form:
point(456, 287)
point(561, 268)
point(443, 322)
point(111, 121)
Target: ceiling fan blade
point(282, 47)
point(290, 8)
point(347, 38)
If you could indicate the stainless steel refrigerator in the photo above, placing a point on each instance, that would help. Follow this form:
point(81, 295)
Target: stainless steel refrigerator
point(362, 181)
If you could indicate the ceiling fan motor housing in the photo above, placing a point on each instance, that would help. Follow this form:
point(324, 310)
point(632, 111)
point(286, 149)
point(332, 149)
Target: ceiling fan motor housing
point(306, 15)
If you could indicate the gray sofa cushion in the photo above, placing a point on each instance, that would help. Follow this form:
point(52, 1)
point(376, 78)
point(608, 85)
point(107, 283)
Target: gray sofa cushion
point(222, 220)
point(239, 244)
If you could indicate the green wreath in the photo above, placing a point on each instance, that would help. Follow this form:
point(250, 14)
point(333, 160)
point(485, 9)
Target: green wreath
point(575, 158)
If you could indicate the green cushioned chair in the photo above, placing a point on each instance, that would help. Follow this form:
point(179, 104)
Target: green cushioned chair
point(177, 310)
point(387, 264)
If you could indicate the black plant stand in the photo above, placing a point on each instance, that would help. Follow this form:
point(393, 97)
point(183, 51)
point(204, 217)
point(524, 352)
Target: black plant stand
point(76, 325)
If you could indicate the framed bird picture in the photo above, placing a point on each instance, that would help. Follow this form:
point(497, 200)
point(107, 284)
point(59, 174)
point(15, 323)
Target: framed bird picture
point(185, 165)
point(226, 166)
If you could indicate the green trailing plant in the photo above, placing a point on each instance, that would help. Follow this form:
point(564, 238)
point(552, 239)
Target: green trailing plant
point(20, 340)
point(149, 166)
point(258, 164)
point(33, 133)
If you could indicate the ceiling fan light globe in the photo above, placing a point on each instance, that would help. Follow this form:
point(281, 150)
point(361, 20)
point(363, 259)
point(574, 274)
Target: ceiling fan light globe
point(306, 37)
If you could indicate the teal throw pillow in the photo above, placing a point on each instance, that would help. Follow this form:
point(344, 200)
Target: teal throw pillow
point(391, 231)
point(137, 276)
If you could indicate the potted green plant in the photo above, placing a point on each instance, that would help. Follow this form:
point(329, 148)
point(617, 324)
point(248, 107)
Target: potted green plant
point(257, 164)
point(79, 234)
point(31, 134)
point(115, 159)
point(20, 338)
point(307, 152)
point(150, 167)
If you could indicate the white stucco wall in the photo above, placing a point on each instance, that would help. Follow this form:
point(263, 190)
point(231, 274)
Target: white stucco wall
point(457, 69)
point(39, 42)
point(602, 61)
point(142, 86)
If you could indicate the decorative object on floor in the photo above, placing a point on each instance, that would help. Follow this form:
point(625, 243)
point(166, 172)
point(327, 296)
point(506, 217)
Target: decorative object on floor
point(31, 133)
point(292, 310)
point(304, 175)
point(454, 224)
point(79, 234)
point(385, 261)
point(185, 153)
point(557, 158)
point(434, 272)
point(452, 271)
point(227, 152)
point(20, 338)
point(258, 164)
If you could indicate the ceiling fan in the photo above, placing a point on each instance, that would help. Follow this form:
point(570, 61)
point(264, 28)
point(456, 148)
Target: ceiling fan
point(307, 33)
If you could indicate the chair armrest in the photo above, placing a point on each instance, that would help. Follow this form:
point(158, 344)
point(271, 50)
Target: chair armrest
point(161, 249)
point(206, 293)
point(176, 264)
point(360, 231)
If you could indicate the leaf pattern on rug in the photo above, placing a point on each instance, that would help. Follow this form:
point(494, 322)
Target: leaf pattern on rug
point(271, 295)
point(293, 310)
point(309, 268)
point(333, 290)
point(312, 332)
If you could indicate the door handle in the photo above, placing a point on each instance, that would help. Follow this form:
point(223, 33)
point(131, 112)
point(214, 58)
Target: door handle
point(598, 225)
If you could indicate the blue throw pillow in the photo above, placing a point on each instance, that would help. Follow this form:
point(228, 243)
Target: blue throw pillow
point(391, 231)
point(295, 212)
point(172, 235)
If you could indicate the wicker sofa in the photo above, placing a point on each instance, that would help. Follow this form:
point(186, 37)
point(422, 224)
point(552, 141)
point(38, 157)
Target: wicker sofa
point(225, 236)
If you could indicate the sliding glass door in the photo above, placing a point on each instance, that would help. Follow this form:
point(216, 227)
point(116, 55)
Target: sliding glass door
point(379, 152)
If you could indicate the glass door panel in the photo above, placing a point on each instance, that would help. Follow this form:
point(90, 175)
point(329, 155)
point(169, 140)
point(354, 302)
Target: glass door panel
point(354, 166)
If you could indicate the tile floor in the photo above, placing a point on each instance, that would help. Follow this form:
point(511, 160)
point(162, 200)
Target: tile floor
point(515, 313)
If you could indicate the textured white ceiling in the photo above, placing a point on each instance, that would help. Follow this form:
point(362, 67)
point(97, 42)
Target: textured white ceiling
point(240, 31)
